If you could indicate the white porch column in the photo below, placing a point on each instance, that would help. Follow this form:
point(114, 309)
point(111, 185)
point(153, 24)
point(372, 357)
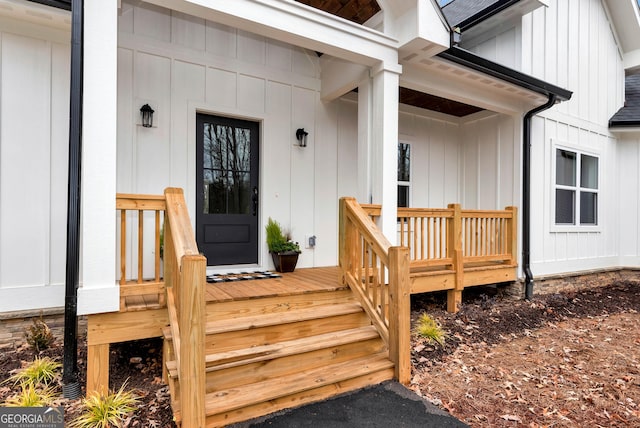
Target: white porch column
point(384, 171)
point(98, 291)
point(365, 129)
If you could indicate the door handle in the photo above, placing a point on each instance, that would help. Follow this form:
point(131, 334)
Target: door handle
point(254, 198)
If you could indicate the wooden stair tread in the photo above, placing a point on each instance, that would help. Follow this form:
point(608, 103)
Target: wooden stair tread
point(237, 398)
point(254, 354)
point(266, 320)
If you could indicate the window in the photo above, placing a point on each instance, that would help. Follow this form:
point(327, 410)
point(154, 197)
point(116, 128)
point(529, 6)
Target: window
point(404, 174)
point(576, 188)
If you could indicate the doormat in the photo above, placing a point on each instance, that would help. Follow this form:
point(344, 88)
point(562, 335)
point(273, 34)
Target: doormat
point(242, 276)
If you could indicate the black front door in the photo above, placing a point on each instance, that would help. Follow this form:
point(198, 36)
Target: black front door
point(227, 190)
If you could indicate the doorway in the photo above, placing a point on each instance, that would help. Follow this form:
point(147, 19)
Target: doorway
point(227, 201)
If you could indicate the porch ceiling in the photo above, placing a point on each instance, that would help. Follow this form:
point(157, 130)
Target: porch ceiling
point(435, 103)
point(358, 11)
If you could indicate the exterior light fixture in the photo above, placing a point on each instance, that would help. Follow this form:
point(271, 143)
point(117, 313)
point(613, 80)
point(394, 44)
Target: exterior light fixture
point(147, 115)
point(301, 136)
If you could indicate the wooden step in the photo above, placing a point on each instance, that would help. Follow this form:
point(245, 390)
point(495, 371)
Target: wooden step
point(225, 360)
point(227, 335)
point(261, 306)
point(267, 320)
point(272, 390)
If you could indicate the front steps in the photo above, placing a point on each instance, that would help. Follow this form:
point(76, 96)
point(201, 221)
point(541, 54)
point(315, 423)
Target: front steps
point(265, 355)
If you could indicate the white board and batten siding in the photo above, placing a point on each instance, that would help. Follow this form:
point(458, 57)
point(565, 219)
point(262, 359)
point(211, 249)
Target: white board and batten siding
point(571, 44)
point(181, 65)
point(582, 55)
point(34, 123)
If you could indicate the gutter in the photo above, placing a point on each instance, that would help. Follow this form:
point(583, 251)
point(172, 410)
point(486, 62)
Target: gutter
point(470, 60)
point(526, 194)
point(71, 387)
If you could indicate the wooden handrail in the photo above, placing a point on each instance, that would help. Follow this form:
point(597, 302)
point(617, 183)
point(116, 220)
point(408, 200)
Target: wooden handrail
point(185, 276)
point(378, 274)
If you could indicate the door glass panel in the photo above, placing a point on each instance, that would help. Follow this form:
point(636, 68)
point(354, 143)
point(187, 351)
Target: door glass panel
point(227, 168)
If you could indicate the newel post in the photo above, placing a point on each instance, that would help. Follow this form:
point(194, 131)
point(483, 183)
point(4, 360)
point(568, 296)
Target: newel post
point(512, 234)
point(400, 313)
point(192, 340)
point(454, 251)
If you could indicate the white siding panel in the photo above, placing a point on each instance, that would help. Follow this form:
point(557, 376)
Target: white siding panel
point(128, 114)
point(188, 83)
point(276, 154)
point(571, 44)
point(188, 31)
point(325, 150)
point(251, 94)
point(251, 48)
point(153, 149)
point(347, 149)
point(152, 21)
point(629, 202)
point(25, 161)
point(222, 88)
point(221, 40)
point(279, 55)
point(302, 169)
point(60, 66)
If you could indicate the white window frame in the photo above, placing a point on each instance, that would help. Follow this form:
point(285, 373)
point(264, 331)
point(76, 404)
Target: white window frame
point(577, 227)
point(407, 183)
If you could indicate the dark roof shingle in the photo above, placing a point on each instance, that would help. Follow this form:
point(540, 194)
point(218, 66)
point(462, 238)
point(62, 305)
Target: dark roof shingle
point(629, 114)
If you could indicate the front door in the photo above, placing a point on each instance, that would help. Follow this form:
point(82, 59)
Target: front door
point(227, 190)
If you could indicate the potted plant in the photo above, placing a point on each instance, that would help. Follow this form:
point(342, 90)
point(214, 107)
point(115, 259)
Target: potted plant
point(284, 251)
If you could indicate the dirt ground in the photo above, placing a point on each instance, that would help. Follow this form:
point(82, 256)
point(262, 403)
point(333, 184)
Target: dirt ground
point(560, 360)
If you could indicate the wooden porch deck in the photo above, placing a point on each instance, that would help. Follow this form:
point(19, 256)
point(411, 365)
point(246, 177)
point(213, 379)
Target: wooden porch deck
point(301, 281)
point(318, 330)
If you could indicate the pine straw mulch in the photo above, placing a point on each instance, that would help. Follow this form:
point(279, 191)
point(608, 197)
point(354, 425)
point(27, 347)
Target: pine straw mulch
point(568, 359)
point(562, 360)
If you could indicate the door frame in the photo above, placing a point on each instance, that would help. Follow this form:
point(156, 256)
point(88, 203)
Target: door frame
point(195, 108)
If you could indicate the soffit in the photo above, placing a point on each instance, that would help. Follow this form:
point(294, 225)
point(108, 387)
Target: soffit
point(358, 11)
point(454, 82)
point(49, 16)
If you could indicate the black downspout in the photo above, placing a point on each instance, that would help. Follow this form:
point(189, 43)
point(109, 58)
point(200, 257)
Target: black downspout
point(526, 195)
point(71, 387)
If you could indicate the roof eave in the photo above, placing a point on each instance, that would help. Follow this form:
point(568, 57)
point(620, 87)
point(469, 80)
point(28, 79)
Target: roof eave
point(627, 125)
point(483, 65)
point(486, 13)
point(58, 4)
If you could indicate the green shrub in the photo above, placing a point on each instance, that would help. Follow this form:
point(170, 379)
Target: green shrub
point(39, 336)
point(277, 240)
point(429, 329)
point(42, 371)
point(32, 396)
point(104, 411)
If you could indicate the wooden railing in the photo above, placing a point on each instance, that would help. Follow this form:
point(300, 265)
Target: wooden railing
point(378, 274)
point(140, 268)
point(433, 235)
point(185, 277)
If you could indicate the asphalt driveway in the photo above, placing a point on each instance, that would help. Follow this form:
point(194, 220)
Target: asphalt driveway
point(382, 406)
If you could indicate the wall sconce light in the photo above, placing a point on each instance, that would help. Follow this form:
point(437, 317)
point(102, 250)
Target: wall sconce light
point(147, 115)
point(301, 136)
